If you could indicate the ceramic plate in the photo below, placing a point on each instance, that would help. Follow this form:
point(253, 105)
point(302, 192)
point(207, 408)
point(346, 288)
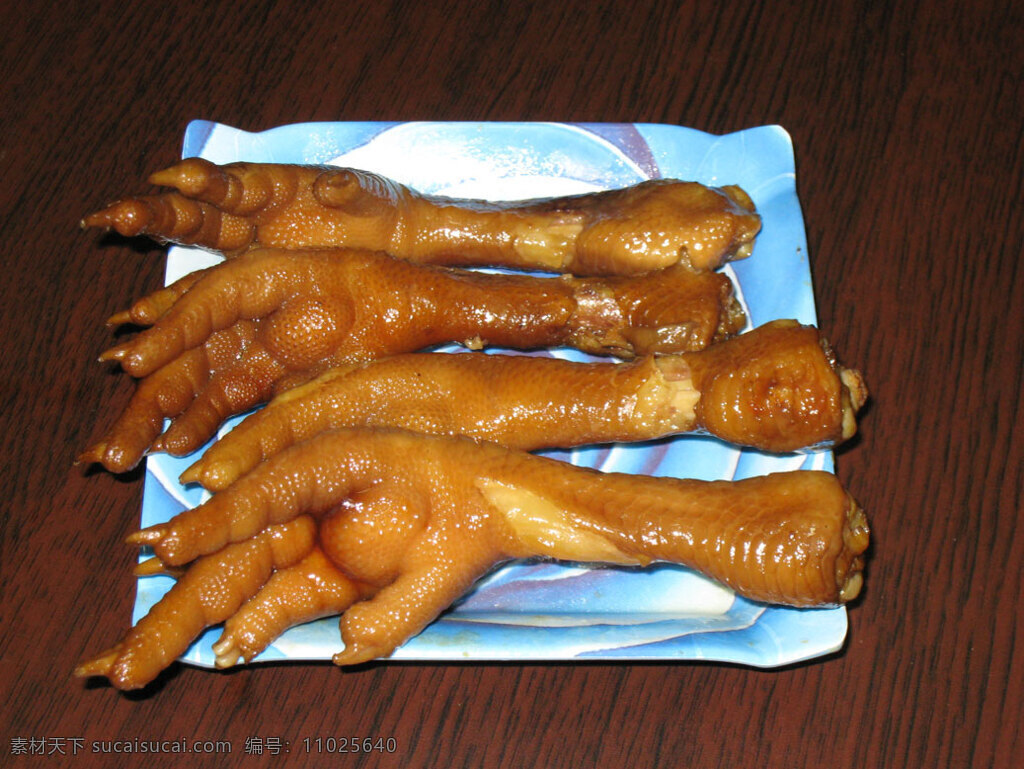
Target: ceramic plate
point(546, 611)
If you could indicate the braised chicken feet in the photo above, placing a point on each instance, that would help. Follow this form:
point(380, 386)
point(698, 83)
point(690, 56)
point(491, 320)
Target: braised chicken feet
point(776, 388)
point(419, 519)
point(239, 206)
point(224, 340)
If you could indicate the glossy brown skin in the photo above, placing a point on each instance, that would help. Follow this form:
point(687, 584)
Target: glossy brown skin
point(225, 339)
point(210, 591)
point(414, 520)
point(775, 388)
point(308, 590)
point(778, 388)
point(239, 206)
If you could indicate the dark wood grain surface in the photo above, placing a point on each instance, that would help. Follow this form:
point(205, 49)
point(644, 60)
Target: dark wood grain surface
point(906, 119)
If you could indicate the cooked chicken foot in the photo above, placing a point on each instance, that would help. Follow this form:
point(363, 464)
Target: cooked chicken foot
point(228, 339)
point(424, 517)
point(235, 207)
point(776, 388)
point(308, 590)
point(209, 591)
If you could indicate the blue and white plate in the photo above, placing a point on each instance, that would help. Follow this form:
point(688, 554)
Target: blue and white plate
point(546, 611)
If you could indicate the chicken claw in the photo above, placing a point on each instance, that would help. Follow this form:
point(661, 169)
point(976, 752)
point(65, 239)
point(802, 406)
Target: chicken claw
point(224, 341)
point(239, 206)
point(775, 388)
point(312, 588)
point(210, 591)
point(420, 518)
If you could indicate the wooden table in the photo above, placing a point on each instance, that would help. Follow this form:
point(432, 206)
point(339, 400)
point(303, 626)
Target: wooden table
point(906, 120)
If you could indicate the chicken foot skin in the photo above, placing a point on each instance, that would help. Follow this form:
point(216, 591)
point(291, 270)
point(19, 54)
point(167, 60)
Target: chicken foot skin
point(776, 388)
point(423, 517)
point(236, 207)
point(308, 590)
point(210, 591)
point(225, 340)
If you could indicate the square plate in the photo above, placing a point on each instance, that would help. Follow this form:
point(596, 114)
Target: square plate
point(547, 611)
